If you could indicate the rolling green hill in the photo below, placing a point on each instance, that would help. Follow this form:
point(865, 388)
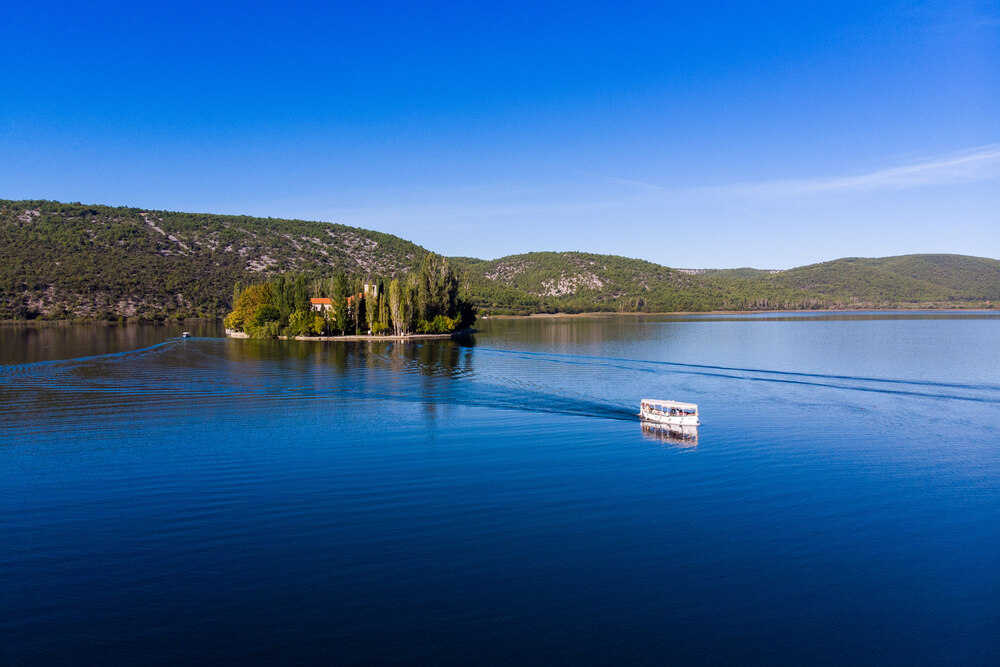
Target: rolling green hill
point(72, 260)
point(576, 282)
point(900, 279)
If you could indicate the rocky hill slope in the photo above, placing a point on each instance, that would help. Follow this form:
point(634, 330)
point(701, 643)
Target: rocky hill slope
point(574, 282)
point(72, 260)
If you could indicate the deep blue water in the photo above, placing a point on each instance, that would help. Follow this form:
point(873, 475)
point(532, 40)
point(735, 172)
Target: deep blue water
point(204, 499)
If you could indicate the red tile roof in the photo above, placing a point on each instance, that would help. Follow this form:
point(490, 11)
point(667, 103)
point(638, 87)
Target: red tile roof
point(323, 301)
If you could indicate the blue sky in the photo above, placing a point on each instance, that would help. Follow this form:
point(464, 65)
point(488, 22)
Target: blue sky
point(701, 135)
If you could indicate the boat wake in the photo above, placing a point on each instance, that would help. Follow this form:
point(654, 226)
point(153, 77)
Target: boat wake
point(236, 376)
point(979, 392)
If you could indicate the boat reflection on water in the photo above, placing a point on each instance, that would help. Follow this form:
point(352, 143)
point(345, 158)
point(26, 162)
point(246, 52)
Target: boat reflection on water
point(669, 434)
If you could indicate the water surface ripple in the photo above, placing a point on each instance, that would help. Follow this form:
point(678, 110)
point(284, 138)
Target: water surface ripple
point(497, 501)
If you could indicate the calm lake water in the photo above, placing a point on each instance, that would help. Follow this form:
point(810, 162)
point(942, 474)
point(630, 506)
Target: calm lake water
point(166, 499)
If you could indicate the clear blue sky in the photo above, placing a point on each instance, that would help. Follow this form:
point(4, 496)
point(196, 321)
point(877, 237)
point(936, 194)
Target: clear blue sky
point(706, 135)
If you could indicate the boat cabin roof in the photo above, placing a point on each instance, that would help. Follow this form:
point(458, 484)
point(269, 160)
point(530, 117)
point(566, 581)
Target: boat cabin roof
point(669, 404)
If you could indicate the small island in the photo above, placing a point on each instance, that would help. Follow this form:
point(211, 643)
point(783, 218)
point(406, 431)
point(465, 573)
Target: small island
point(423, 302)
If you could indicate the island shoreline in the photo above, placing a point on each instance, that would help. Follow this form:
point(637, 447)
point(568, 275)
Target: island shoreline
point(358, 338)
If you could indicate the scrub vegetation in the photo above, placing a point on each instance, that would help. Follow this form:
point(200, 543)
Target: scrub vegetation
point(549, 282)
point(74, 261)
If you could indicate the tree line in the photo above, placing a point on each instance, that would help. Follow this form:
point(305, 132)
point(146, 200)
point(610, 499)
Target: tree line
point(426, 299)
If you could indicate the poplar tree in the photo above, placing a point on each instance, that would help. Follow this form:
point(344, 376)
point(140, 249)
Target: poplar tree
point(383, 309)
point(338, 296)
point(300, 294)
point(410, 303)
point(396, 306)
point(360, 314)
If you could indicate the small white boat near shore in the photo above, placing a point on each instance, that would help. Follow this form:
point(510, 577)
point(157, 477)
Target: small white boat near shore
point(672, 413)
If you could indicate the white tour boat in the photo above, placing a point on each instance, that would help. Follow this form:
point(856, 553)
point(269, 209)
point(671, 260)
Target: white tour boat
point(672, 413)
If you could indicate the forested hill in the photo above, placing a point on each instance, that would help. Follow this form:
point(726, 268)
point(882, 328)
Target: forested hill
point(71, 260)
point(577, 282)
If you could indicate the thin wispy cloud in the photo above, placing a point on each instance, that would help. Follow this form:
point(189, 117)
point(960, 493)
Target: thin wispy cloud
point(977, 164)
point(649, 187)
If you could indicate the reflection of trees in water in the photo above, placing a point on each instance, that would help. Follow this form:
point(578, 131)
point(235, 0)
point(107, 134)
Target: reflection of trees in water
point(437, 364)
point(575, 334)
point(423, 371)
point(244, 349)
point(436, 358)
point(432, 359)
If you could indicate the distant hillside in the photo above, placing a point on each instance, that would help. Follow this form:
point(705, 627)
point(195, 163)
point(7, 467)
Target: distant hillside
point(72, 260)
point(579, 282)
point(573, 281)
point(904, 278)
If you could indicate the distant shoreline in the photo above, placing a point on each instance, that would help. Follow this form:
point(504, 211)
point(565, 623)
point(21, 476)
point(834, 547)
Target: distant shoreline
point(541, 316)
point(537, 316)
point(114, 323)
